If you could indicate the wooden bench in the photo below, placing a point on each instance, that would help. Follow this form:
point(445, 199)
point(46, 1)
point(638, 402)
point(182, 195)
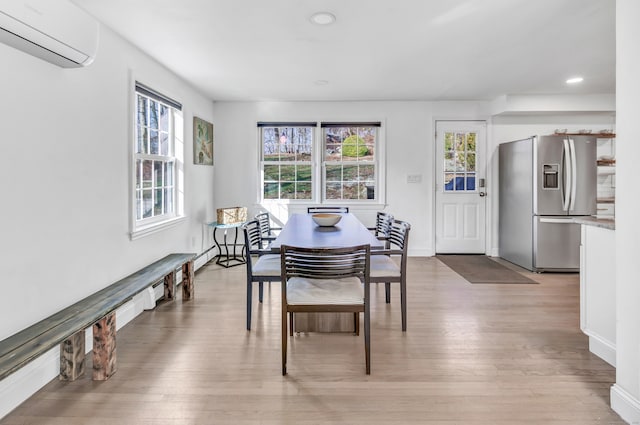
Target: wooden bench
point(67, 326)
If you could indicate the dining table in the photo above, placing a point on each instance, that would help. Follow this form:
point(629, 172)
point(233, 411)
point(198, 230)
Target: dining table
point(301, 231)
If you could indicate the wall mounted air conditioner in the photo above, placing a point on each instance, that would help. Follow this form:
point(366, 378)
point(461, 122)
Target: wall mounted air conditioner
point(54, 30)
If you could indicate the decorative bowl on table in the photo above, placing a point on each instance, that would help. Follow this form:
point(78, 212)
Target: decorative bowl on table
point(326, 219)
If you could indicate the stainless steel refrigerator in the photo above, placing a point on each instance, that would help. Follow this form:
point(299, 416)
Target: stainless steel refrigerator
point(544, 183)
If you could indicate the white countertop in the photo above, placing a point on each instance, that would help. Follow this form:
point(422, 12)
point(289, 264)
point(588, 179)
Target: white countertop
point(605, 223)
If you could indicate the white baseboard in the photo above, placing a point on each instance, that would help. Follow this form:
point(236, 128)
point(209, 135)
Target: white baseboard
point(625, 405)
point(429, 252)
point(421, 253)
point(204, 259)
point(603, 349)
point(26, 381)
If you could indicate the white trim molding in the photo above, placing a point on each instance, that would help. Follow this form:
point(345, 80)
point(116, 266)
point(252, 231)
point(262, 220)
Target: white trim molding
point(625, 405)
point(157, 227)
point(602, 348)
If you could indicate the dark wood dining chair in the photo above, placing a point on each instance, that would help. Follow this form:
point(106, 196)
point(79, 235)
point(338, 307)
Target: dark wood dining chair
point(325, 280)
point(383, 226)
point(262, 264)
point(390, 265)
point(267, 232)
point(313, 210)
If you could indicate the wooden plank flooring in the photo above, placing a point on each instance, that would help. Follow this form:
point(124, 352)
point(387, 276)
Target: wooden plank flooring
point(473, 354)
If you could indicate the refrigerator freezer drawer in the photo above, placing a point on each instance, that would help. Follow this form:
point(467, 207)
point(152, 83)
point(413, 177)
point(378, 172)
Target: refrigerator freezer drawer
point(556, 244)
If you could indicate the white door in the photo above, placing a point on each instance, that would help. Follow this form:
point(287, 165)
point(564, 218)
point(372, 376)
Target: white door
point(460, 187)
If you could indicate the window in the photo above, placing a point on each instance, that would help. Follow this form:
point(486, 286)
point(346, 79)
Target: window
point(287, 152)
point(347, 158)
point(157, 156)
point(350, 161)
point(459, 162)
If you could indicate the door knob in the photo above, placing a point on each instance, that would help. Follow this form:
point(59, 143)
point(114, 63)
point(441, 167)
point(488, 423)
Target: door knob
point(482, 194)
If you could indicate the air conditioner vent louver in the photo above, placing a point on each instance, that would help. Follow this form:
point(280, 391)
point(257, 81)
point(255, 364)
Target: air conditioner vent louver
point(54, 30)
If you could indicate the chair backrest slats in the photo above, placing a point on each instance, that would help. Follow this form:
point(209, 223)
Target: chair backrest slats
point(383, 224)
point(252, 234)
point(325, 263)
point(265, 223)
point(399, 234)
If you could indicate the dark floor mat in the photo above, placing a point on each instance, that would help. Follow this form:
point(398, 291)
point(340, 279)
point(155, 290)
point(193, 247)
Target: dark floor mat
point(482, 269)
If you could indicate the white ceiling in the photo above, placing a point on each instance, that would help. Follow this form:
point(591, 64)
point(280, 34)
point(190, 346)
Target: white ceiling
point(376, 49)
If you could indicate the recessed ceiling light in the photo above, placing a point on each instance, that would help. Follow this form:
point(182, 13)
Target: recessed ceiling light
point(323, 18)
point(575, 80)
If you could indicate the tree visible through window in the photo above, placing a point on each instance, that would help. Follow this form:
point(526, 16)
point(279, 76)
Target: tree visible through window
point(350, 161)
point(347, 161)
point(459, 161)
point(286, 162)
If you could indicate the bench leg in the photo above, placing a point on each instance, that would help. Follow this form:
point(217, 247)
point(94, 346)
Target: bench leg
point(72, 354)
point(104, 347)
point(187, 280)
point(170, 286)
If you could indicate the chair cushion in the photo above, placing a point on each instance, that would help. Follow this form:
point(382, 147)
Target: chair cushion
point(267, 265)
point(382, 265)
point(343, 291)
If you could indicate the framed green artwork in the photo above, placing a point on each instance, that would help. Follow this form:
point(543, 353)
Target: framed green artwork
point(202, 142)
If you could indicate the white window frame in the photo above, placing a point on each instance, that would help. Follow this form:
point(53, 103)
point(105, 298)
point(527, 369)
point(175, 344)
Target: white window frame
point(318, 171)
point(378, 174)
point(262, 162)
point(146, 226)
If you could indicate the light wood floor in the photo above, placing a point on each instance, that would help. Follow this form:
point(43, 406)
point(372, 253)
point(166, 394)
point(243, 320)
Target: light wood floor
point(473, 354)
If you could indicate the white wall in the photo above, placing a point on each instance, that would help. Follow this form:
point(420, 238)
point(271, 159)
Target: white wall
point(625, 394)
point(65, 172)
point(409, 137)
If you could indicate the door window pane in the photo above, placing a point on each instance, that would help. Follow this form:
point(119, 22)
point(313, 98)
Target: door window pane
point(459, 157)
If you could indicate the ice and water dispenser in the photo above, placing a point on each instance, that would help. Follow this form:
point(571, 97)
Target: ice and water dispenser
point(550, 178)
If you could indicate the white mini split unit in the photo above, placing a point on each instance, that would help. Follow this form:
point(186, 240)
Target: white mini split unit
point(54, 30)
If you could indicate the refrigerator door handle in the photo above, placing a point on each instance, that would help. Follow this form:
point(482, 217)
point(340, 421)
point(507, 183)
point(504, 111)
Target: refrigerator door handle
point(557, 220)
point(566, 156)
point(574, 175)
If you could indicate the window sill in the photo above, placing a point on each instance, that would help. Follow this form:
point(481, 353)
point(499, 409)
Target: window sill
point(155, 227)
